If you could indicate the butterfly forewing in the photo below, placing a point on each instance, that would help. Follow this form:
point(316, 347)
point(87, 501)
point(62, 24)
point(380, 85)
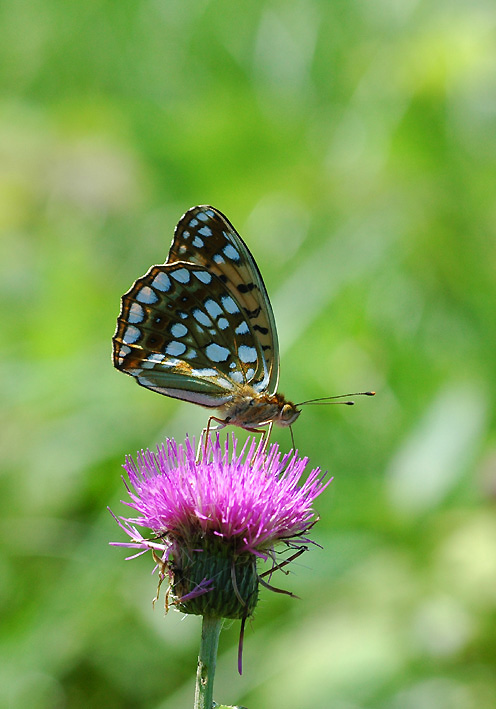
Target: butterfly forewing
point(204, 236)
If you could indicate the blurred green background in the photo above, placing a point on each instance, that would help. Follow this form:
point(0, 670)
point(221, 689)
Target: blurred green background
point(353, 145)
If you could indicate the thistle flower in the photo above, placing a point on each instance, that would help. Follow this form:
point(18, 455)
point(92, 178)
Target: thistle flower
point(211, 520)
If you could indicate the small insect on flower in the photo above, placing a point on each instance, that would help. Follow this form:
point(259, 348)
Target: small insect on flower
point(200, 328)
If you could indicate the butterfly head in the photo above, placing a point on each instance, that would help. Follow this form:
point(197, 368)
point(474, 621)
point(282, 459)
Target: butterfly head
point(288, 413)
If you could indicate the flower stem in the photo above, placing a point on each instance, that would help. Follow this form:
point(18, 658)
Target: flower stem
point(206, 662)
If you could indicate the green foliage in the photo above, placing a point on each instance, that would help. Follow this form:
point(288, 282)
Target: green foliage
point(353, 144)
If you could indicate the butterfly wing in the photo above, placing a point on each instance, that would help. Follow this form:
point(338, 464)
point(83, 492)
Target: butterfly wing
point(181, 333)
point(205, 237)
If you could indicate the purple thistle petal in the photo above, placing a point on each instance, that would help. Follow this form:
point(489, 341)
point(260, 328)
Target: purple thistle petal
point(204, 586)
point(252, 498)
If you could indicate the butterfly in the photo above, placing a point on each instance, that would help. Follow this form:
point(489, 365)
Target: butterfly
point(200, 327)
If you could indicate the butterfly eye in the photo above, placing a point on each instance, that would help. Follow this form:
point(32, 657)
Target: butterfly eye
point(289, 414)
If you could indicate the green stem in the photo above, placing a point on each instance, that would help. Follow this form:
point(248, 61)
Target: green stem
point(206, 662)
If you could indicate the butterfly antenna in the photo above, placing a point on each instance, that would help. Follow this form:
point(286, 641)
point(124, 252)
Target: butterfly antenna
point(331, 399)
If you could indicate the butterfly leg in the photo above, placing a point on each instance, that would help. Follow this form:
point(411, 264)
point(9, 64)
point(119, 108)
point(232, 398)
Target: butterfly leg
point(264, 441)
point(266, 435)
point(205, 436)
point(222, 423)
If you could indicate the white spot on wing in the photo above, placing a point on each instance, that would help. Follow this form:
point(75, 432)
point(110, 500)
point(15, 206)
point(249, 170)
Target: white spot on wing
point(199, 243)
point(242, 328)
point(146, 382)
point(131, 334)
point(156, 358)
point(205, 372)
point(124, 350)
point(136, 313)
point(262, 385)
point(175, 348)
point(205, 231)
point(161, 282)
point(223, 323)
point(193, 222)
point(179, 330)
point(172, 362)
point(212, 308)
point(146, 295)
point(218, 258)
point(229, 304)
point(217, 353)
point(231, 253)
point(203, 276)
point(200, 317)
point(237, 377)
point(191, 354)
point(202, 216)
point(182, 275)
point(247, 354)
